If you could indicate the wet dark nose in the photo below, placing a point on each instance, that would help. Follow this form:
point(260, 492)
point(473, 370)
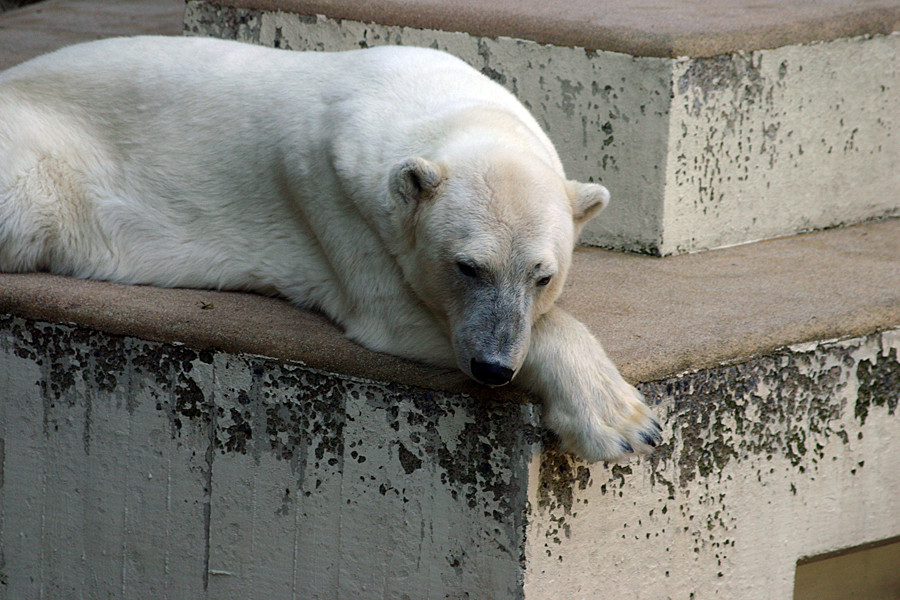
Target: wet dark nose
point(491, 373)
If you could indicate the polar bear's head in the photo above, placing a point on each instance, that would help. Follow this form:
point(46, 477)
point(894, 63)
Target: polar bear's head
point(486, 245)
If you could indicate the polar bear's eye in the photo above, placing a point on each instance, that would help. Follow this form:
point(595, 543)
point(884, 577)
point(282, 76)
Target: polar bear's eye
point(467, 269)
point(543, 281)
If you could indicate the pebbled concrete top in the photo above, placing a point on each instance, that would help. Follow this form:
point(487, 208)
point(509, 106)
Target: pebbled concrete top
point(638, 27)
point(656, 317)
point(49, 25)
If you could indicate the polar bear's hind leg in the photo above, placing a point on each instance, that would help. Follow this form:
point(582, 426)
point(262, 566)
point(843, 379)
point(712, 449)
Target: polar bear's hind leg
point(45, 198)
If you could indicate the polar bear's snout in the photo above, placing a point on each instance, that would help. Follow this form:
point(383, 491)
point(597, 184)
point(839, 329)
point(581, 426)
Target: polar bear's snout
point(490, 373)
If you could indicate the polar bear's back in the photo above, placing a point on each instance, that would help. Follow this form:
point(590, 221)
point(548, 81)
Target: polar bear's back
point(112, 151)
point(228, 73)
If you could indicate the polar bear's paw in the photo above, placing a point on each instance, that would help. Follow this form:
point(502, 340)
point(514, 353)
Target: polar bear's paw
point(610, 424)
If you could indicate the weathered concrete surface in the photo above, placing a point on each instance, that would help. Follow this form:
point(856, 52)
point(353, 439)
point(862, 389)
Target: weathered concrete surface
point(793, 139)
point(666, 28)
point(789, 455)
point(52, 24)
point(656, 317)
point(698, 152)
point(135, 469)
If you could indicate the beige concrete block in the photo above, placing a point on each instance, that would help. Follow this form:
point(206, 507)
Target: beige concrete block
point(698, 153)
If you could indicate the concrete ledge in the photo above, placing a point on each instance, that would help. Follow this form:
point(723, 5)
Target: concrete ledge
point(660, 28)
point(134, 469)
point(656, 317)
point(699, 152)
point(51, 24)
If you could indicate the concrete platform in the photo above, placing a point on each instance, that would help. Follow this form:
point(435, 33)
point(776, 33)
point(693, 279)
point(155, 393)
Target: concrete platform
point(134, 468)
point(51, 24)
point(660, 28)
point(711, 126)
point(656, 317)
point(198, 444)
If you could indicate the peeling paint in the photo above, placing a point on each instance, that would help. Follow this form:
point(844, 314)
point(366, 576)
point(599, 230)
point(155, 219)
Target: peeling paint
point(229, 23)
point(879, 382)
point(775, 142)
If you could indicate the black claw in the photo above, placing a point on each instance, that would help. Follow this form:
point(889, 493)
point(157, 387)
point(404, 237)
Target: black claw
point(657, 425)
point(650, 440)
point(626, 447)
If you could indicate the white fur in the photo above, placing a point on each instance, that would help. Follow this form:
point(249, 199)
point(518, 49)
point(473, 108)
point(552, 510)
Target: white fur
point(411, 199)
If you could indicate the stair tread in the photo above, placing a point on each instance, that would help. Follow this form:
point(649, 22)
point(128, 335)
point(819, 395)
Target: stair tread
point(656, 316)
point(642, 28)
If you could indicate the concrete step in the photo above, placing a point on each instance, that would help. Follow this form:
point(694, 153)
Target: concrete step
point(232, 446)
point(712, 126)
point(51, 24)
point(197, 444)
point(136, 469)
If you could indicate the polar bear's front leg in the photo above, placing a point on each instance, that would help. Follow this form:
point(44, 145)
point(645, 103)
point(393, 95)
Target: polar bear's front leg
point(596, 414)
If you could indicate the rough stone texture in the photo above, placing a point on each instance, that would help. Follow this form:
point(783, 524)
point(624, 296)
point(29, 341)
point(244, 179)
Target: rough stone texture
point(51, 24)
point(765, 462)
point(668, 28)
point(135, 469)
point(698, 152)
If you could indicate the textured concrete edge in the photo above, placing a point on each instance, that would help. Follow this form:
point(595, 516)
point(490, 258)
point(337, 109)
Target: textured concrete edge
point(589, 31)
point(793, 446)
point(231, 322)
point(242, 323)
point(264, 444)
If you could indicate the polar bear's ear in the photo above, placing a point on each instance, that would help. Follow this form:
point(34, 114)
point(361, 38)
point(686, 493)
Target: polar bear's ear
point(588, 199)
point(414, 180)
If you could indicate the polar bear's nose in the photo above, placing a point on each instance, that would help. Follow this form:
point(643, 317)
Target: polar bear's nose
point(491, 373)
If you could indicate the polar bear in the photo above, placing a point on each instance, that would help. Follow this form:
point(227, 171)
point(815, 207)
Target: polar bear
point(414, 201)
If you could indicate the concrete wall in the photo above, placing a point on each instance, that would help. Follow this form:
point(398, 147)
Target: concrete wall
point(782, 457)
point(769, 143)
point(697, 152)
point(136, 469)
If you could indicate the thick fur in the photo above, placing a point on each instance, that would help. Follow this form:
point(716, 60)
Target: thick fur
point(411, 199)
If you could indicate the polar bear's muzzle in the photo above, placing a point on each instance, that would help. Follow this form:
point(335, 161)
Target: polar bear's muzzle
point(491, 373)
point(491, 342)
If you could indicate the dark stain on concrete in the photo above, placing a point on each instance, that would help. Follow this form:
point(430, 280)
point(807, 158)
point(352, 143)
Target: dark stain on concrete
point(879, 385)
point(228, 22)
point(408, 460)
point(785, 404)
point(737, 72)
